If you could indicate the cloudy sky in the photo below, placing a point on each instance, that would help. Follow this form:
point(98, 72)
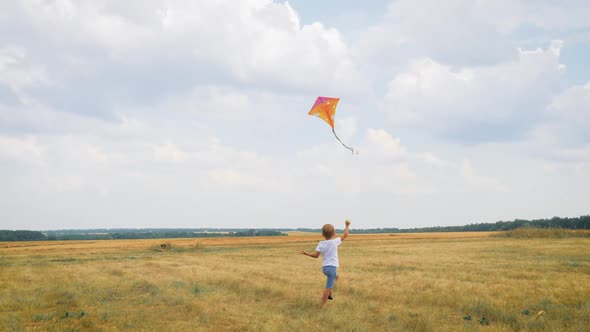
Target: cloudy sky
point(182, 113)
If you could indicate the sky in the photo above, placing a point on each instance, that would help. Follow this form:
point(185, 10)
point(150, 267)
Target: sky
point(181, 113)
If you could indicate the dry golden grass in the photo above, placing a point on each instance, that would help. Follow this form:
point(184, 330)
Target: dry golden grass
point(400, 282)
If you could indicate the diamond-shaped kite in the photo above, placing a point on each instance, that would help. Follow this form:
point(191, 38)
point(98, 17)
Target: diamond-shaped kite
point(325, 109)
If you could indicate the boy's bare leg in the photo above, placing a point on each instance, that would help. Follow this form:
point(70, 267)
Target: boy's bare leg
point(332, 290)
point(325, 295)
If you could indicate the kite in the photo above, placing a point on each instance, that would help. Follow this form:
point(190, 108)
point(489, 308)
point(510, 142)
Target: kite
point(325, 109)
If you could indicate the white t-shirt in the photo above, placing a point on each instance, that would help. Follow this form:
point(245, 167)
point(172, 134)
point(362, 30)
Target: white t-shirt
point(329, 250)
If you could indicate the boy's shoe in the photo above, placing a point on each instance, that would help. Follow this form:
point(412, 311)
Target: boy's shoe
point(330, 297)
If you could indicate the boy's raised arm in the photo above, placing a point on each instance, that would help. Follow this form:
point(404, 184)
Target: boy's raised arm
point(345, 235)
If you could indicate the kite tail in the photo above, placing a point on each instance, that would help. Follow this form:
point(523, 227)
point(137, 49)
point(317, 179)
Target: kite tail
point(344, 145)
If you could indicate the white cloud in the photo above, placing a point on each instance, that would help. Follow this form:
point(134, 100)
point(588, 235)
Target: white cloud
point(570, 110)
point(258, 42)
point(231, 177)
point(453, 32)
point(469, 174)
point(169, 152)
point(25, 150)
point(385, 143)
point(431, 159)
point(224, 102)
point(569, 15)
point(462, 32)
point(347, 128)
point(475, 104)
point(17, 73)
point(562, 135)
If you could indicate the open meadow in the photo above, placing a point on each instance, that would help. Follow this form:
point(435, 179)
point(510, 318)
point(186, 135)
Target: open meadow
point(388, 282)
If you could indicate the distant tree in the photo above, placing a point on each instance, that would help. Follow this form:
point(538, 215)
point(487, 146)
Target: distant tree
point(21, 235)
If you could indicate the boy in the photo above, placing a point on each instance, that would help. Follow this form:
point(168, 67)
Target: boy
point(329, 250)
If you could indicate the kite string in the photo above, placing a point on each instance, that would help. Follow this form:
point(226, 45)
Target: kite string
point(349, 148)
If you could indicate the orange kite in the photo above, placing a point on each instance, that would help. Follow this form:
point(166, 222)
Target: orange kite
point(325, 109)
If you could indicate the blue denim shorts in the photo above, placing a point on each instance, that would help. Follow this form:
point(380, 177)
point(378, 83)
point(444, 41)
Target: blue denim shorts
point(330, 272)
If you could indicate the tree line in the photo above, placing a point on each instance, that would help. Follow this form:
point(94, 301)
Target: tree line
point(25, 235)
point(582, 222)
point(22, 236)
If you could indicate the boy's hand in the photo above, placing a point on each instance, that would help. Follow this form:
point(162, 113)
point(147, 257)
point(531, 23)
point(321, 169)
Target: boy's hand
point(347, 222)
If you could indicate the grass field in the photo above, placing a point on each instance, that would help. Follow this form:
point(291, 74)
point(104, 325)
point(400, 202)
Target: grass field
point(399, 282)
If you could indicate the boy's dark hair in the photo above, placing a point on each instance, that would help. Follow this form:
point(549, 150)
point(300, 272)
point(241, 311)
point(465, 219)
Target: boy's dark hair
point(328, 231)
